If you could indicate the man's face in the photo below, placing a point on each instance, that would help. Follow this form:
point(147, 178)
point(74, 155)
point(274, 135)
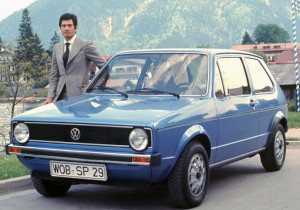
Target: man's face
point(67, 29)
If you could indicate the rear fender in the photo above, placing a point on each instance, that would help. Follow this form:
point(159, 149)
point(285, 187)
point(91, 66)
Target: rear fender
point(279, 118)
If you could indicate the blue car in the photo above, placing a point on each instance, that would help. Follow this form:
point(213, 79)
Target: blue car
point(157, 116)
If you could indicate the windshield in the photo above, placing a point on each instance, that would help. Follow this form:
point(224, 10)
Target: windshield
point(159, 73)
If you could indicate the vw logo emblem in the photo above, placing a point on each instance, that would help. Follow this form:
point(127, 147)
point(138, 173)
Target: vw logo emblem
point(75, 134)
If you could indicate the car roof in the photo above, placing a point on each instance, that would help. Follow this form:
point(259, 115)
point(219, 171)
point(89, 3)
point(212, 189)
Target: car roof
point(210, 51)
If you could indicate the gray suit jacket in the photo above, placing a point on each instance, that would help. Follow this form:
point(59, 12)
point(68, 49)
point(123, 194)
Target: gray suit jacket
point(76, 73)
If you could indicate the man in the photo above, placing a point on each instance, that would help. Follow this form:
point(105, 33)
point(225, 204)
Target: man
point(70, 62)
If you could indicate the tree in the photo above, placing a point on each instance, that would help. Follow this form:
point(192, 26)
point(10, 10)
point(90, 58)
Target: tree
point(271, 33)
point(25, 37)
point(247, 39)
point(260, 54)
point(29, 50)
point(1, 44)
point(55, 39)
point(37, 47)
point(40, 60)
point(27, 66)
point(10, 83)
point(203, 46)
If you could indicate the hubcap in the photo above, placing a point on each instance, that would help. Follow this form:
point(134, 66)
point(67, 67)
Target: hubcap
point(196, 175)
point(279, 147)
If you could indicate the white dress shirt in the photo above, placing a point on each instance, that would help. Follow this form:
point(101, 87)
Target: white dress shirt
point(71, 41)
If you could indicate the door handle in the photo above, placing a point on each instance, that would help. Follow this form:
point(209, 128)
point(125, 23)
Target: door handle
point(253, 103)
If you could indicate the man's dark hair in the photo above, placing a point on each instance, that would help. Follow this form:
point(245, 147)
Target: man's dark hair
point(68, 16)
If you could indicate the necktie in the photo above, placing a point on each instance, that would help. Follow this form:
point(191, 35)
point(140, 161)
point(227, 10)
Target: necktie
point(66, 55)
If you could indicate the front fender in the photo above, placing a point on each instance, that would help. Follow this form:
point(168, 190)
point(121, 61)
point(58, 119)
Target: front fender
point(188, 135)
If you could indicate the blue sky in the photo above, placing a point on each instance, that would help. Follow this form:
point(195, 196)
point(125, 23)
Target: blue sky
point(10, 6)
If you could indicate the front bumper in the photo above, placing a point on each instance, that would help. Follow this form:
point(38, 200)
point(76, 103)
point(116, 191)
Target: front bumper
point(86, 156)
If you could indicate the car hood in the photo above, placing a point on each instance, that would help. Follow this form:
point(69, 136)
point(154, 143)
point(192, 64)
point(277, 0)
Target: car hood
point(134, 111)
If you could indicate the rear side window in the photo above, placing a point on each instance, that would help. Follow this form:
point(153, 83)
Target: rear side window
point(260, 79)
point(234, 76)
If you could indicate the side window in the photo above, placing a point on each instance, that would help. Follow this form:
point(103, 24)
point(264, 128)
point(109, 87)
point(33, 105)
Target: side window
point(219, 89)
point(260, 79)
point(234, 76)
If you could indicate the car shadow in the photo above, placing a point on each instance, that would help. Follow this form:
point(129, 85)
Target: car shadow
point(238, 170)
point(153, 196)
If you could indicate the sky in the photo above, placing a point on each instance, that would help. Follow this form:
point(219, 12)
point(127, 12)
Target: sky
point(10, 6)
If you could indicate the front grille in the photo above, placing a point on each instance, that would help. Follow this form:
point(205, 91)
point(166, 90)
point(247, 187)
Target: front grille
point(89, 134)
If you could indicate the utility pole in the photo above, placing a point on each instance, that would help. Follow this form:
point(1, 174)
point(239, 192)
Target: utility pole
point(295, 9)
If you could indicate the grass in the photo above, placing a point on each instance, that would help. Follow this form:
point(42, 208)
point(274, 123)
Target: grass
point(294, 119)
point(293, 122)
point(292, 139)
point(11, 167)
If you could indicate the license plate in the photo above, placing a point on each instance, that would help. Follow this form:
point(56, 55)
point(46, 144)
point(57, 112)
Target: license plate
point(78, 170)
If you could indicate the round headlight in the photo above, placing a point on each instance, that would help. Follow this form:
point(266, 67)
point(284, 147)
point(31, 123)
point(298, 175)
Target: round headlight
point(138, 139)
point(21, 133)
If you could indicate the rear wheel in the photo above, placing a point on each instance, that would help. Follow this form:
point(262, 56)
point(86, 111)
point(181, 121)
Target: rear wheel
point(50, 188)
point(189, 179)
point(273, 157)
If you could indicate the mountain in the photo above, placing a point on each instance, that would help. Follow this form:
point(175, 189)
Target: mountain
point(117, 25)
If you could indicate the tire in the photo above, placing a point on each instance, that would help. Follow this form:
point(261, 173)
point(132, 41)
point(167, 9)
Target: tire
point(50, 188)
point(188, 181)
point(273, 157)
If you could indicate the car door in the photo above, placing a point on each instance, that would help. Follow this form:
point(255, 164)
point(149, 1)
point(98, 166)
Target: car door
point(237, 113)
point(264, 89)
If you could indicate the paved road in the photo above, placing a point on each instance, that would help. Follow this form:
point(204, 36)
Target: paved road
point(241, 185)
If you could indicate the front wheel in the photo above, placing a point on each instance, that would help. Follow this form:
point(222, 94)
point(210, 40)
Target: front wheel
point(50, 188)
point(189, 178)
point(273, 157)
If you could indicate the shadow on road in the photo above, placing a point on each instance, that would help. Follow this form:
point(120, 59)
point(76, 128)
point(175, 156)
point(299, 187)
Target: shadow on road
point(151, 197)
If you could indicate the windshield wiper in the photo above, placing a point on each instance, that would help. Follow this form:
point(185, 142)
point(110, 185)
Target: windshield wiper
point(112, 89)
point(155, 91)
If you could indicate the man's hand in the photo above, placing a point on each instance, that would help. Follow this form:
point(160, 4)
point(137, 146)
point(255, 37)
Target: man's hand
point(48, 101)
point(83, 87)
